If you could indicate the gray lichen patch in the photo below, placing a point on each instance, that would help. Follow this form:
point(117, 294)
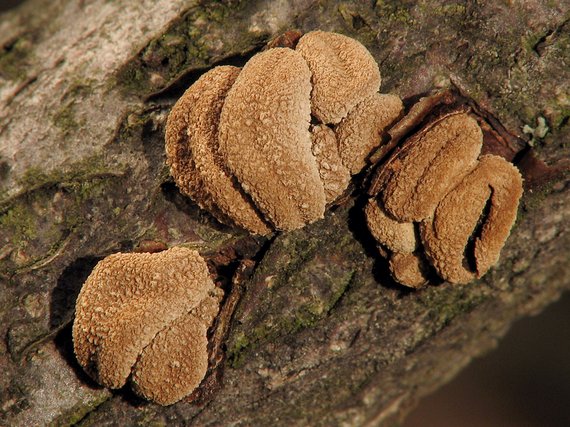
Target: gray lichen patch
point(41, 395)
point(70, 117)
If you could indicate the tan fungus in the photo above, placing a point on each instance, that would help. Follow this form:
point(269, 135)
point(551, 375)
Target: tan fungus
point(239, 142)
point(343, 73)
point(176, 360)
point(334, 175)
point(408, 269)
point(456, 219)
point(396, 236)
point(265, 139)
point(430, 164)
point(361, 131)
point(128, 300)
point(193, 153)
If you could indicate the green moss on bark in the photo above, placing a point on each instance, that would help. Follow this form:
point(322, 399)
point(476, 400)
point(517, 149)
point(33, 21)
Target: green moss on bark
point(193, 42)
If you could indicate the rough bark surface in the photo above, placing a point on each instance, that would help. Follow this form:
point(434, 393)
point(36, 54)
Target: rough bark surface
point(321, 336)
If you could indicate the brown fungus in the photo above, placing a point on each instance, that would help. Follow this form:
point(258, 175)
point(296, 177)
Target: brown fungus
point(265, 139)
point(494, 184)
point(131, 300)
point(176, 361)
point(335, 176)
point(409, 269)
point(361, 131)
point(193, 155)
point(241, 143)
point(396, 236)
point(463, 206)
point(343, 73)
point(431, 163)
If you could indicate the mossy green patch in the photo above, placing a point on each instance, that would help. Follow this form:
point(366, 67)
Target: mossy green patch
point(133, 124)
point(14, 58)
point(188, 44)
point(446, 304)
point(37, 222)
point(35, 177)
point(79, 88)
point(393, 12)
point(360, 21)
point(80, 410)
point(65, 118)
point(18, 220)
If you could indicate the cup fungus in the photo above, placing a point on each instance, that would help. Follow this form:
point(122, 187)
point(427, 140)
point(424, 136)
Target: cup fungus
point(268, 147)
point(439, 202)
point(145, 317)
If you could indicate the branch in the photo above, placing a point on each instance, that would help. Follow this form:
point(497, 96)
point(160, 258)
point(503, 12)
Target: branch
point(321, 334)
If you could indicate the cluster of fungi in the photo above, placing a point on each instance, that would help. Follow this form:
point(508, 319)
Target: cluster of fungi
point(268, 147)
point(437, 203)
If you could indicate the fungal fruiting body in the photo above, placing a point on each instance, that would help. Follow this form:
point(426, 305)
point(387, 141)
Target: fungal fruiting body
point(144, 317)
point(443, 205)
point(269, 146)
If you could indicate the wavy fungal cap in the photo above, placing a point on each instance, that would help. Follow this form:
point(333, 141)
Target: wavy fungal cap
point(145, 316)
point(361, 131)
point(430, 164)
point(463, 204)
point(396, 236)
point(492, 191)
point(265, 139)
point(192, 151)
point(343, 73)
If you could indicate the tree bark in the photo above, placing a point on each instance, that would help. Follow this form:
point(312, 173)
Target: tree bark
point(321, 334)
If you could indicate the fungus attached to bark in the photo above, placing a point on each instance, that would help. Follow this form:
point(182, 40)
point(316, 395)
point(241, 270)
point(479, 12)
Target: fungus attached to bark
point(488, 199)
point(193, 154)
point(243, 143)
point(463, 206)
point(408, 269)
point(265, 139)
point(134, 311)
point(431, 163)
point(396, 236)
point(335, 176)
point(361, 131)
